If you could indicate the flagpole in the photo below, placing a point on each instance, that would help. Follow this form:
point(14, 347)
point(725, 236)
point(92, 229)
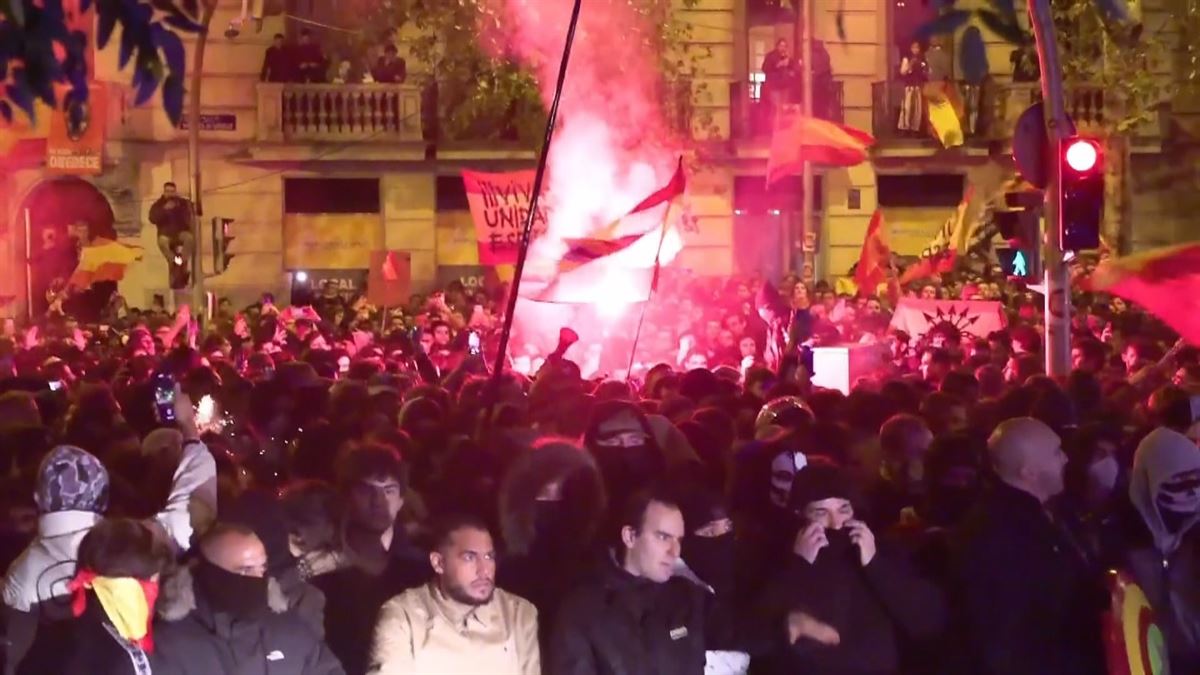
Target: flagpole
point(527, 230)
point(806, 209)
point(637, 333)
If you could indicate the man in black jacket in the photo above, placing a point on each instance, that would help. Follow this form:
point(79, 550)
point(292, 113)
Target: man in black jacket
point(1029, 605)
point(635, 617)
point(224, 615)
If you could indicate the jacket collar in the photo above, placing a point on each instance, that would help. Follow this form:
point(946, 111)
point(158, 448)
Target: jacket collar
point(460, 615)
point(177, 597)
point(1016, 501)
point(59, 523)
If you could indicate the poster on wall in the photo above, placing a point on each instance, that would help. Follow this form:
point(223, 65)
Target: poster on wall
point(75, 146)
point(499, 206)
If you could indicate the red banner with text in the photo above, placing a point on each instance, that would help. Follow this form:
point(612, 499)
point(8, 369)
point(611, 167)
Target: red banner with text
point(499, 206)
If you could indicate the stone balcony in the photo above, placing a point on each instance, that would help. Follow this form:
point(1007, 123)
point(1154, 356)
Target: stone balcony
point(339, 113)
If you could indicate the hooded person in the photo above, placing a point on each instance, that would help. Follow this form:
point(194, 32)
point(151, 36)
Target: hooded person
point(867, 600)
point(708, 557)
point(1164, 489)
point(71, 496)
point(113, 595)
point(624, 446)
point(552, 507)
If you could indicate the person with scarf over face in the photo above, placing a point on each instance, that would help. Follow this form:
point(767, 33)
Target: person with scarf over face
point(225, 615)
point(112, 599)
point(861, 601)
point(1165, 490)
point(708, 558)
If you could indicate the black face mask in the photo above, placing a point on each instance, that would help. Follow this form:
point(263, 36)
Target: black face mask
point(712, 559)
point(240, 596)
point(840, 547)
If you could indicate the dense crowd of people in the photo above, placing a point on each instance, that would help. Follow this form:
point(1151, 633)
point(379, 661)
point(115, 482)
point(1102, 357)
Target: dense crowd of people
point(332, 488)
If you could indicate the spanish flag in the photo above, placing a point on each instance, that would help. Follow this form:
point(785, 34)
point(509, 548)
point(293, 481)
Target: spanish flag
point(945, 110)
point(956, 234)
point(103, 260)
point(798, 138)
point(605, 243)
point(874, 262)
point(1165, 281)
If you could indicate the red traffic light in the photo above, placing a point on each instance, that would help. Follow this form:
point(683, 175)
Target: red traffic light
point(1082, 155)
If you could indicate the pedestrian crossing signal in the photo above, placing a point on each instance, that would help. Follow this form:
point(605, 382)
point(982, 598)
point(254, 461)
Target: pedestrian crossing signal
point(1017, 263)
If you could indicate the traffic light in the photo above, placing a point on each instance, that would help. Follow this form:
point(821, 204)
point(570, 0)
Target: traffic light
point(1082, 207)
point(1020, 225)
point(221, 241)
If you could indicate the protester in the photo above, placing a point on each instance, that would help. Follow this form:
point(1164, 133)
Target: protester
point(225, 615)
point(1029, 604)
point(459, 622)
point(113, 600)
point(341, 434)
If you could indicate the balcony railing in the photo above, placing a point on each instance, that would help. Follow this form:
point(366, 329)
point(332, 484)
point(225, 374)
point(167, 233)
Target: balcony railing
point(752, 115)
point(339, 112)
point(1087, 106)
point(887, 98)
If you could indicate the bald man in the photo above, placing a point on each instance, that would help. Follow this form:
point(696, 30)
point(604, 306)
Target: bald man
point(225, 615)
point(1031, 605)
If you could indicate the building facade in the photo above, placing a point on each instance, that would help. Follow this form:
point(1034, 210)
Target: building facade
point(261, 142)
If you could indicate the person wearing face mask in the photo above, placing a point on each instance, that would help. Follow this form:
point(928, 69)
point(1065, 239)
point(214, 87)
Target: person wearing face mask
point(1164, 556)
point(708, 557)
point(113, 595)
point(861, 604)
point(1093, 502)
point(225, 615)
point(552, 507)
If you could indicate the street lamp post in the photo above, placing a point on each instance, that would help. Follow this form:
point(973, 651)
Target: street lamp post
point(208, 8)
point(1057, 279)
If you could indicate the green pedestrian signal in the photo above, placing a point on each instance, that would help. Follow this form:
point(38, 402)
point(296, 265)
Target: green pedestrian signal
point(1018, 265)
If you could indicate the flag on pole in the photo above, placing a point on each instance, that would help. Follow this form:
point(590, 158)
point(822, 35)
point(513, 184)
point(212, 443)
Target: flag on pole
point(955, 235)
point(874, 261)
point(586, 249)
point(798, 138)
point(1165, 281)
point(103, 260)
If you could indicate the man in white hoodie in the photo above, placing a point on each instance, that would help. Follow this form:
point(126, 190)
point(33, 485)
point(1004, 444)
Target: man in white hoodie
point(1165, 489)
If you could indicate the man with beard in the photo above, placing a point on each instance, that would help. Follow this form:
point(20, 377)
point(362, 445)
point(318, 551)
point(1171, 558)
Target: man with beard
point(224, 615)
point(459, 622)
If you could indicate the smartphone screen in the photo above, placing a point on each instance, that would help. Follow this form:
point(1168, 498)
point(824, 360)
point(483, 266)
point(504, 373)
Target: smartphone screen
point(164, 398)
point(473, 343)
point(56, 385)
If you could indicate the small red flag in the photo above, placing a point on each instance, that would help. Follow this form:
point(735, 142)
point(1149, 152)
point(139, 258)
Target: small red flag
point(875, 258)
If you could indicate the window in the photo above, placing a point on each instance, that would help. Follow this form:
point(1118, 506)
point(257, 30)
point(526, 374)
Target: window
point(450, 194)
point(750, 195)
point(926, 189)
point(331, 195)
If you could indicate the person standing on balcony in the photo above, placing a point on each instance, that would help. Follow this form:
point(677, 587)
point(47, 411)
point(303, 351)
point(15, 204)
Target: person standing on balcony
point(277, 67)
point(390, 68)
point(914, 73)
point(310, 60)
point(779, 77)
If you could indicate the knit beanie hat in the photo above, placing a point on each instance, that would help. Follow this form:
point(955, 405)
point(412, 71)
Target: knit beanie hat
point(820, 479)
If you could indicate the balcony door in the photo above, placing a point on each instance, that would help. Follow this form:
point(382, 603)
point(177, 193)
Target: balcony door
point(905, 17)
